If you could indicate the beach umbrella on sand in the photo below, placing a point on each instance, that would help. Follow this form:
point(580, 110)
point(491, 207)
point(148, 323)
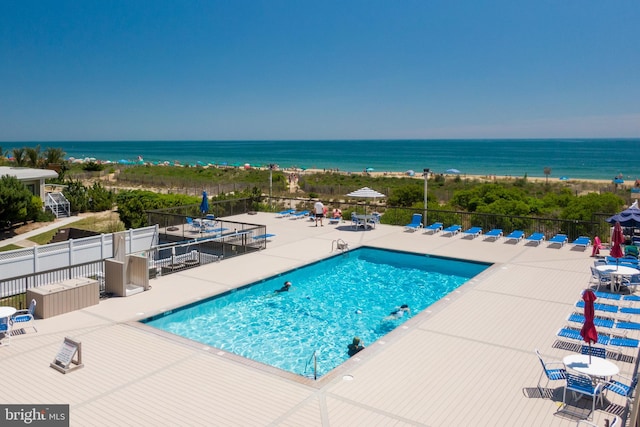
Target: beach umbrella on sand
point(617, 240)
point(588, 331)
point(204, 205)
point(369, 169)
point(410, 172)
point(452, 171)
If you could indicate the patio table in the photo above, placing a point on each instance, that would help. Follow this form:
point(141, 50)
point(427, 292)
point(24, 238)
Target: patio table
point(617, 272)
point(597, 368)
point(7, 312)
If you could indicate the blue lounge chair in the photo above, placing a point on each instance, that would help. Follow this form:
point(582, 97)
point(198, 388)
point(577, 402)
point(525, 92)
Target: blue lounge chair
point(628, 325)
point(264, 237)
point(629, 310)
point(493, 234)
point(283, 214)
point(298, 215)
point(472, 232)
point(582, 242)
point(558, 239)
point(536, 238)
point(622, 341)
point(433, 228)
point(574, 334)
point(335, 220)
point(598, 321)
point(416, 222)
point(452, 230)
point(607, 308)
point(516, 235)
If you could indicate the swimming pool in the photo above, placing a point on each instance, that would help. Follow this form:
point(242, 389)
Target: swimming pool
point(329, 303)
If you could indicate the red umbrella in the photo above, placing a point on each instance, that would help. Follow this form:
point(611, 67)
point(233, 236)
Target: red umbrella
point(588, 331)
point(617, 239)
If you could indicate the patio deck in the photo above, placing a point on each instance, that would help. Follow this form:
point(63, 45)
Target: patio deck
point(466, 361)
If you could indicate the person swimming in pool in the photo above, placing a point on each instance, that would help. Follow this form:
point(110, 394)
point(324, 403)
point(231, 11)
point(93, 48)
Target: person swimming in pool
point(285, 287)
point(399, 312)
point(355, 346)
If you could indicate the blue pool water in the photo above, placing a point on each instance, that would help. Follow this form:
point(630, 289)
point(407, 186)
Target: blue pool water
point(329, 303)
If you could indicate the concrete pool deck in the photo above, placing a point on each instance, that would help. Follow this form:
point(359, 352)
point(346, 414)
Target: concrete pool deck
point(466, 361)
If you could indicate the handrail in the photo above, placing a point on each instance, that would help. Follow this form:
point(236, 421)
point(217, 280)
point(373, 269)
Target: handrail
point(340, 245)
point(313, 357)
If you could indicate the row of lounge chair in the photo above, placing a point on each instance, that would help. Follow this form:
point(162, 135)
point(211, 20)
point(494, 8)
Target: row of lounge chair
point(495, 234)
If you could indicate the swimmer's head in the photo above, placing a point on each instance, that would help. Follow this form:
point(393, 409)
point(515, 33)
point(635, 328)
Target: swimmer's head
point(358, 311)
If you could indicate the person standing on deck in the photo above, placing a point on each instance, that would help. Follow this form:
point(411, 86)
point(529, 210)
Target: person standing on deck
point(319, 210)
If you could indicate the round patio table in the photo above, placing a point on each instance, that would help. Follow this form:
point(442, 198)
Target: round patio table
point(598, 368)
point(617, 272)
point(7, 312)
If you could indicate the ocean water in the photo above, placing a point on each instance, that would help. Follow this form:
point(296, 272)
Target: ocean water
point(573, 158)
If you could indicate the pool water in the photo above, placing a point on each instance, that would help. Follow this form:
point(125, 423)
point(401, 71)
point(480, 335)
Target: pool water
point(329, 303)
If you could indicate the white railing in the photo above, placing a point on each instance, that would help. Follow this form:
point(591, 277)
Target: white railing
point(22, 262)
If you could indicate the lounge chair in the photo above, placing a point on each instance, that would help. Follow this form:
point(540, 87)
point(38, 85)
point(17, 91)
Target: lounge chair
point(283, 214)
point(536, 238)
point(416, 222)
point(335, 220)
point(25, 316)
point(516, 235)
point(558, 239)
point(263, 237)
point(600, 322)
point(298, 215)
point(574, 335)
point(607, 308)
point(452, 230)
point(472, 232)
point(631, 250)
point(433, 228)
point(493, 234)
point(582, 242)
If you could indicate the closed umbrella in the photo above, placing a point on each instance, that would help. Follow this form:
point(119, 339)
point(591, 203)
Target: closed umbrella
point(588, 331)
point(204, 205)
point(617, 240)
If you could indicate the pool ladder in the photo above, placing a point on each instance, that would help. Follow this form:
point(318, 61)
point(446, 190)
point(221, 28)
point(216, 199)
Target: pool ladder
point(314, 358)
point(340, 245)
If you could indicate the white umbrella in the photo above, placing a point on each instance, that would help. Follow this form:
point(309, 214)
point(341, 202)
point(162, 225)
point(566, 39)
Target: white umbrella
point(366, 192)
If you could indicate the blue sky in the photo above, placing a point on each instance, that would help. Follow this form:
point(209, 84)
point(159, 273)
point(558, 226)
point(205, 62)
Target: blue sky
point(281, 69)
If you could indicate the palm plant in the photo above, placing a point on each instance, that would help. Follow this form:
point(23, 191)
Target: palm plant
point(33, 156)
point(19, 156)
point(54, 156)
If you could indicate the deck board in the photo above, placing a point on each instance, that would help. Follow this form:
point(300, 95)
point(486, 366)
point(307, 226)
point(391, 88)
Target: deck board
point(467, 361)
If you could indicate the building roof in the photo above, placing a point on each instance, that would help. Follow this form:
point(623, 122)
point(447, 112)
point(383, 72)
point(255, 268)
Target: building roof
point(24, 174)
